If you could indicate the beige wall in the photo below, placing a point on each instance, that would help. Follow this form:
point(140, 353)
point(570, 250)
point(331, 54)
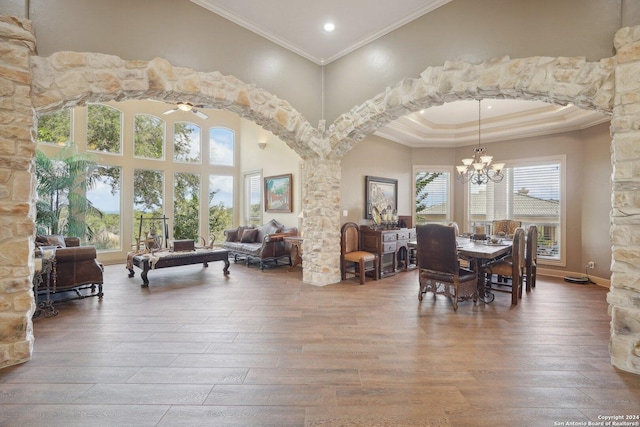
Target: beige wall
point(378, 157)
point(275, 159)
point(596, 191)
point(474, 31)
point(588, 173)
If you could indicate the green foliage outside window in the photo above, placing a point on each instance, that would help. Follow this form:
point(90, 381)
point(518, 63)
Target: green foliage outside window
point(62, 184)
point(148, 136)
point(55, 128)
point(104, 125)
point(186, 206)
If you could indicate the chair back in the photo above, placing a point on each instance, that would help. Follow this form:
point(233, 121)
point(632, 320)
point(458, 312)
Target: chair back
point(436, 248)
point(455, 227)
point(350, 237)
point(532, 245)
point(506, 226)
point(517, 252)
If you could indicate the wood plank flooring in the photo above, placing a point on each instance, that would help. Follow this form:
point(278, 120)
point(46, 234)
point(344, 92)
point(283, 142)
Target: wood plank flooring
point(256, 348)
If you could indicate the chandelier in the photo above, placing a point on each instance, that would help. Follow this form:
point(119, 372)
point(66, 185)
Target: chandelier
point(479, 169)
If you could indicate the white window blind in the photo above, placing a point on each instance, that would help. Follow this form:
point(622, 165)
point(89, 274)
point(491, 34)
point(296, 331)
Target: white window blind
point(530, 193)
point(253, 199)
point(433, 201)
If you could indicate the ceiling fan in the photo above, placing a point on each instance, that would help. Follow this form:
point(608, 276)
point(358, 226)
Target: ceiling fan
point(187, 106)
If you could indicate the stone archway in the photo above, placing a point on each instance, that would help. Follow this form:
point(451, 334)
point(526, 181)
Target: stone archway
point(34, 84)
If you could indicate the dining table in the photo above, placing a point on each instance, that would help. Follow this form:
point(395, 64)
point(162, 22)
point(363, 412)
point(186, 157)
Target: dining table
point(479, 253)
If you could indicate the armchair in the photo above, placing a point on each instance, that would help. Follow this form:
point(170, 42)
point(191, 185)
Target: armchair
point(77, 267)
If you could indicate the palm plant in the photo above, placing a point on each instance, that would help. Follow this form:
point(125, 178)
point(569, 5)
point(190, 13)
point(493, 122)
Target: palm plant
point(62, 184)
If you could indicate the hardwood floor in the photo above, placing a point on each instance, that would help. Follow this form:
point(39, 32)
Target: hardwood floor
point(263, 349)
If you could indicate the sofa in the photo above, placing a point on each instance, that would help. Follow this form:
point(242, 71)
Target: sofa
point(76, 269)
point(261, 244)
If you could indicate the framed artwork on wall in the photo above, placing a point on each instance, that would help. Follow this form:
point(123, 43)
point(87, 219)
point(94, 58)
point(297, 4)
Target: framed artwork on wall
point(278, 193)
point(381, 194)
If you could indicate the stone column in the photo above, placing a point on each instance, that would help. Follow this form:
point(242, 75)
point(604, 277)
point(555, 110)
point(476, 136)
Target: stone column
point(321, 222)
point(17, 44)
point(624, 294)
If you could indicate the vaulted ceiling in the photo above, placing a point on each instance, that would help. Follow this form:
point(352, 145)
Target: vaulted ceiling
point(298, 26)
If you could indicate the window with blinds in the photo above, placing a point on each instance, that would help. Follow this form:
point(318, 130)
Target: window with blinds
point(530, 193)
point(432, 195)
point(253, 198)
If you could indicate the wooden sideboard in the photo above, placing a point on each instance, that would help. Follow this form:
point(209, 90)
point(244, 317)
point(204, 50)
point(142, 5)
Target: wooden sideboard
point(391, 246)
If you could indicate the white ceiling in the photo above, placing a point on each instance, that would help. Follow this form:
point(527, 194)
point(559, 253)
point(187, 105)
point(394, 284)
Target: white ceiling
point(298, 26)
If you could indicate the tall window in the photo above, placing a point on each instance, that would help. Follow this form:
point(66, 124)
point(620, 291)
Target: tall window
point(147, 202)
point(104, 129)
point(55, 128)
point(220, 205)
point(148, 137)
point(186, 206)
point(432, 194)
point(128, 143)
point(105, 196)
point(186, 142)
point(253, 198)
point(221, 146)
point(531, 192)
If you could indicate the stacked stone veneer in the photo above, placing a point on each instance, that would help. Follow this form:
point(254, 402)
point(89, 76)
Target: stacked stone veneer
point(17, 45)
point(66, 79)
point(624, 295)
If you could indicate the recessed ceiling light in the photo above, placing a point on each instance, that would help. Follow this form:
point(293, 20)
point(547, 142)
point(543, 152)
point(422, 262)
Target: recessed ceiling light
point(329, 27)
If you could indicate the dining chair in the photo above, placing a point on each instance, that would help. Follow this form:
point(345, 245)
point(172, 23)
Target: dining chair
point(506, 226)
point(509, 270)
point(531, 257)
point(439, 271)
point(351, 254)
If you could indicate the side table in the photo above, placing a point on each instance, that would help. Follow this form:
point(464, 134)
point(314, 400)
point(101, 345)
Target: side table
point(296, 246)
point(45, 272)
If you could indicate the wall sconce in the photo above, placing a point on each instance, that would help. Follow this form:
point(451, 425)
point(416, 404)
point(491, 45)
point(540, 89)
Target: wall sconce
point(261, 145)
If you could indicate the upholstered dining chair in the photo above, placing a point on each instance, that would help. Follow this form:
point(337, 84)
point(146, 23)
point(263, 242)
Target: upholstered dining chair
point(510, 270)
point(531, 257)
point(350, 254)
point(439, 270)
point(506, 226)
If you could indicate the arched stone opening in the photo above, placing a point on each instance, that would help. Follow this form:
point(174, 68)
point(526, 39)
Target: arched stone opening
point(37, 84)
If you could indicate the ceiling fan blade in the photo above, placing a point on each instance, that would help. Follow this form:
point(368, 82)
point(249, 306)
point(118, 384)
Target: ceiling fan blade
point(200, 114)
point(173, 110)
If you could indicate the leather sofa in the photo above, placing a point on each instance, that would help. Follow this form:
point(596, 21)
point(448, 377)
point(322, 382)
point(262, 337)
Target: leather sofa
point(260, 244)
point(76, 268)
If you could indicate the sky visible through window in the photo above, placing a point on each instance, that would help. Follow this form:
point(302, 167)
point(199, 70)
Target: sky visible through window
point(221, 146)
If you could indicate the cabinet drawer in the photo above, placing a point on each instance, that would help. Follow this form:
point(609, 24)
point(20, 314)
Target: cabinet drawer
point(403, 235)
point(389, 247)
point(389, 237)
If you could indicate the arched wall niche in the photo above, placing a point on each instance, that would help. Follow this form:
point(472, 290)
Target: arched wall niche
point(70, 78)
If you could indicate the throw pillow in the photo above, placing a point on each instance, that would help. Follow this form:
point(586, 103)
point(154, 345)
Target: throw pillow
point(240, 231)
point(249, 235)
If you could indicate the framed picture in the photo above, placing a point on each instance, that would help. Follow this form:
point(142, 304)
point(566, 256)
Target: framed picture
point(278, 193)
point(381, 193)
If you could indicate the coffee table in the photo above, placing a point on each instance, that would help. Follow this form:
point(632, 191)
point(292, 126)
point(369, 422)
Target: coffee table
point(158, 260)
